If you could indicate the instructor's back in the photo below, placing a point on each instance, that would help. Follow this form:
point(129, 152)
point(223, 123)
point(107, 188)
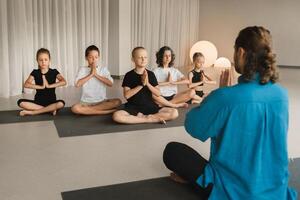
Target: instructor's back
point(248, 126)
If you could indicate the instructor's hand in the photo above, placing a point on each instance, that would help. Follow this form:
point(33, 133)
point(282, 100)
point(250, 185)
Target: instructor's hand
point(225, 78)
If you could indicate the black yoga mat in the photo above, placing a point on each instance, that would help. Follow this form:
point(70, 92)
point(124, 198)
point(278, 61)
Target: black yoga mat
point(158, 189)
point(153, 189)
point(68, 124)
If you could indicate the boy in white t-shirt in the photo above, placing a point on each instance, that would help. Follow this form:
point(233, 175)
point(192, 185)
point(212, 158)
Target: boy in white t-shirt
point(168, 78)
point(94, 79)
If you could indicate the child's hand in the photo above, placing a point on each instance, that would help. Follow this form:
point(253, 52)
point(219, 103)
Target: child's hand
point(45, 82)
point(170, 80)
point(93, 71)
point(145, 79)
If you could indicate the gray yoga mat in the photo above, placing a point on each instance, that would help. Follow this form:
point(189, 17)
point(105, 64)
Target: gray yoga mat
point(294, 180)
point(68, 124)
point(88, 125)
point(12, 116)
point(158, 189)
point(153, 189)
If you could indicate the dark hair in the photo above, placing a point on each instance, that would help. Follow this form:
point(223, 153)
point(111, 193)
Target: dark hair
point(136, 49)
point(196, 55)
point(160, 56)
point(41, 51)
point(259, 58)
point(91, 48)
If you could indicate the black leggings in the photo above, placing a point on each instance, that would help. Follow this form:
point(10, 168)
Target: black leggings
point(186, 163)
point(41, 103)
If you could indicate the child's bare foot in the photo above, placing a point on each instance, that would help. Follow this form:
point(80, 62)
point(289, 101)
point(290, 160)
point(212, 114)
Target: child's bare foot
point(141, 115)
point(196, 101)
point(162, 121)
point(183, 105)
point(25, 112)
point(153, 119)
point(177, 178)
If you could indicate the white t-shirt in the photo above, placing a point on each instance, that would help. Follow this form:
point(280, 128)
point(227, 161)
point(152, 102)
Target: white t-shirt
point(93, 90)
point(162, 76)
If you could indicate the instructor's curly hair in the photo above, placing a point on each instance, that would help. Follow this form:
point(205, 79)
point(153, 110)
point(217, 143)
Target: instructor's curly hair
point(259, 58)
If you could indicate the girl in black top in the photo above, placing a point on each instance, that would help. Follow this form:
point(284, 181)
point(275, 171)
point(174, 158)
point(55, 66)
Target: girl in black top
point(197, 77)
point(45, 84)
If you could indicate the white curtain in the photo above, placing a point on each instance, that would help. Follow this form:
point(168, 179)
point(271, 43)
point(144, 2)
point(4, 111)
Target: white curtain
point(174, 23)
point(65, 27)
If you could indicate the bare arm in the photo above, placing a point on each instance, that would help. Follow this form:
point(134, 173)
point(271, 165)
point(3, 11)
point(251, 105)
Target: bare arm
point(83, 80)
point(208, 79)
point(28, 84)
point(155, 90)
point(128, 93)
point(164, 83)
point(104, 80)
point(183, 80)
point(61, 82)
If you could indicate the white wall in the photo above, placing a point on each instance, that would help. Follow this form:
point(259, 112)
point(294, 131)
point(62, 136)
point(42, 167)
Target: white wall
point(220, 22)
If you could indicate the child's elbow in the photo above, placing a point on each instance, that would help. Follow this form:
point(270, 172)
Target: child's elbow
point(26, 85)
point(77, 85)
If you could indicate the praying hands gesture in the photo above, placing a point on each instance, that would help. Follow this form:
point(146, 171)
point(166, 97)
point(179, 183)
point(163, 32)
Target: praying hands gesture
point(93, 71)
point(225, 78)
point(145, 79)
point(170, 80)
point(45, 82)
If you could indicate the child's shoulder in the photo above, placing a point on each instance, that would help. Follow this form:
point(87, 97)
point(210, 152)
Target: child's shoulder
point(157, 69)
point(174, 69)
point(103, 68)
point(35, 72)
point(53, 69)
point(130, 73)
point(150, 72)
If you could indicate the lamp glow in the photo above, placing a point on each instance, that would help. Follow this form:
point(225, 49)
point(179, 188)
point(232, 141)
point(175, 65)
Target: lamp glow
point(223, 62)
point(208, 49)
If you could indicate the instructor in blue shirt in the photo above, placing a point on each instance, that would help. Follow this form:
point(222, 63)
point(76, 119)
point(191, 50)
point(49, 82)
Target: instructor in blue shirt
point(247, 124)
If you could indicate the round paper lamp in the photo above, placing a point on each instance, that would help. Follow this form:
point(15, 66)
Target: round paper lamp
point(222, 62)
point(208, 49)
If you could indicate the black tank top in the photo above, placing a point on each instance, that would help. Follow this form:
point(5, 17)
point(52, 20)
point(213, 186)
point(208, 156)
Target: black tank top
point(197, 76)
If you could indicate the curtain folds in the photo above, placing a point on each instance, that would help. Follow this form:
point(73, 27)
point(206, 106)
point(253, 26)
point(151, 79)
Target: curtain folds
point(174, 23)
point(65, 27)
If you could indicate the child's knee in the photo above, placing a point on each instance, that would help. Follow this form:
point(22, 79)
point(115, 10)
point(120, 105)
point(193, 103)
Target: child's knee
point(117, 116)
point(117, 102)
point(174, 113)
point(21, 104)
point(60, 105)
point(192, 93)
point(76, 109)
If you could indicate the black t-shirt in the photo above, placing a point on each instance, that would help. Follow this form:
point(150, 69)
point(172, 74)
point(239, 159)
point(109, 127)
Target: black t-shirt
point(144, 96)
point(47, 94)
point(197, 76)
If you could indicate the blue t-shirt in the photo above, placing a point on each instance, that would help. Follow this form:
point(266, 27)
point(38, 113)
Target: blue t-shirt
point(248, 125)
